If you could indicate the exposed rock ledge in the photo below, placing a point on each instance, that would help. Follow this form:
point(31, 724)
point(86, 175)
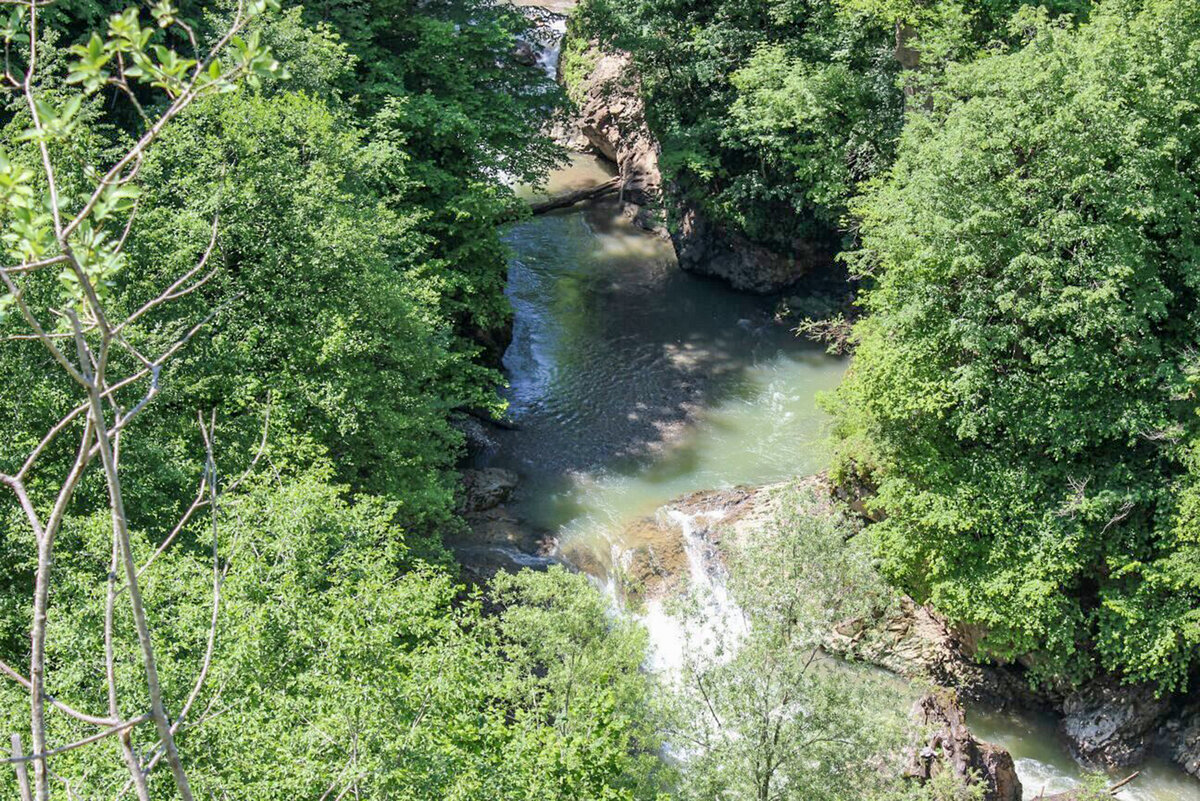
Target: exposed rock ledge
point(706, 249)
point(611, 120)
point(948, 745)
point(1105, 724)
point(494, 538)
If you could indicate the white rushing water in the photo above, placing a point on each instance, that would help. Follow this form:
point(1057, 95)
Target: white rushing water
point(633, 383)
point(716, 625)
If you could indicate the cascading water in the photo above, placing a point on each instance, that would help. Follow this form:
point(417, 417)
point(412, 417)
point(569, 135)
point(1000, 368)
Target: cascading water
point(555, 29)
point(633, 383)
point(717, 622)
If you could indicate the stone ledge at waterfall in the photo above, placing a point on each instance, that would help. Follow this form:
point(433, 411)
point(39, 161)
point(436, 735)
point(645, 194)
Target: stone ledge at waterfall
point(1105, 724)
point(947, 744)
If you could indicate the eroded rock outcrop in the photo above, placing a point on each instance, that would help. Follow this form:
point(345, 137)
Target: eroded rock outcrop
point(914, 641)
point(1112, 725)
point(485, 489)
point(948, 745)
point(708, 249)
point(1179, 738)
point(611, 120)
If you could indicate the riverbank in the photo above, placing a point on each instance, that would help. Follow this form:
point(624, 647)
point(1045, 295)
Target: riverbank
point(634, 383)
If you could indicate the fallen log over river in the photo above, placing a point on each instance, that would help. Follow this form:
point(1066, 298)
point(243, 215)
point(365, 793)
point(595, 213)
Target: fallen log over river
point(568, 199)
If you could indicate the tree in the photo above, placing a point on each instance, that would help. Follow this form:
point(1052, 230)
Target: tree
point(768, 113)
point(762, 712)
point(80, 236)
point(1022, 395)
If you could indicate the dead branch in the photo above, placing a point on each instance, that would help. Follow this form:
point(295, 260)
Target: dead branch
point(40, 758)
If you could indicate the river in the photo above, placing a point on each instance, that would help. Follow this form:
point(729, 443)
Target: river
point(632, 383)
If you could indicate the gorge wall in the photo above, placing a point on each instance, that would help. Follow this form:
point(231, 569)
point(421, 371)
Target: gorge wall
point(610, 120)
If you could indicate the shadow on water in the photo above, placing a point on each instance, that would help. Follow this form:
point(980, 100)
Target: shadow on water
point(624, 367)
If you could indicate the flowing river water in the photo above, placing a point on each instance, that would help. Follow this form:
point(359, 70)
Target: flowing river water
point(632, 383)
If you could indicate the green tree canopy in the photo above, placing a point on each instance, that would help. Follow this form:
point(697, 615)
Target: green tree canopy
point(1022, 396)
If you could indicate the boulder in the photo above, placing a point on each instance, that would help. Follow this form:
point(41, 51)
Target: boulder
point(485, 489)
point(1112, 725)
point(525, 54)
point(947, 744)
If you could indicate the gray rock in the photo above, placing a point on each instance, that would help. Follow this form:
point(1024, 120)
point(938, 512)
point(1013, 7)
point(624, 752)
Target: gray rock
point(707, 249)
point(1179, 738)
point(525, 54)
point(1110, 724)
point(486, 489)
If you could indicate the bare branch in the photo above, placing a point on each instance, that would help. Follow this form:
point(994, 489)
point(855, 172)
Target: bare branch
point(173, 291)
point(51, 435)
point(22, 774)
point(33, 323)
point(109, 732)
point(95, 720)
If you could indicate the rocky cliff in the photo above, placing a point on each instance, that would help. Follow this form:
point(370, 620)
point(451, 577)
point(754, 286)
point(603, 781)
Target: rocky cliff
point(611, 120)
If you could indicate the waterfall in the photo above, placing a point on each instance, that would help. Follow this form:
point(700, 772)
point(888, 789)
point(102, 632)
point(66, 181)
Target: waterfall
point(714, 623)
point(549, 50)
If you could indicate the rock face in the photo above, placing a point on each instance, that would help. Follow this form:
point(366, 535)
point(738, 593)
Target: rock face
point(706, 249)
point(1179, 738)
point(916, 642)
point(612, 121)
point(658, 565)
point(486, 489)
point(495, 537)
point(948, 745)
point(613, 118)
point(1112, 725)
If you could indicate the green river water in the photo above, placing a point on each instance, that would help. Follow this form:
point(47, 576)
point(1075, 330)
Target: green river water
point(633, 383)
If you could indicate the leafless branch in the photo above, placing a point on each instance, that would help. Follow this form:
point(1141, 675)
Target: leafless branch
point(95, 720)
point(109, 732)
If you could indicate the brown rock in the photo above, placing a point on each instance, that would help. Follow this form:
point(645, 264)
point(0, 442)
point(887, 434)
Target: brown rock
point(612, 119)
point(949, 745)
point(657, 566)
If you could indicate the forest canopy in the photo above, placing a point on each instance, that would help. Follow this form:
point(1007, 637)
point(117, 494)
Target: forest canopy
point(254, 283)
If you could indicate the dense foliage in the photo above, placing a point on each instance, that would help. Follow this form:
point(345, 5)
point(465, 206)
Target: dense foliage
point(351, 303)
point(341, 662)
point(1023, 392)
point(771, 113)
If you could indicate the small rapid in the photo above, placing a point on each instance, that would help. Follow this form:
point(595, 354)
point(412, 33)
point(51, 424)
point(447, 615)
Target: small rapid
point(632, 383)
